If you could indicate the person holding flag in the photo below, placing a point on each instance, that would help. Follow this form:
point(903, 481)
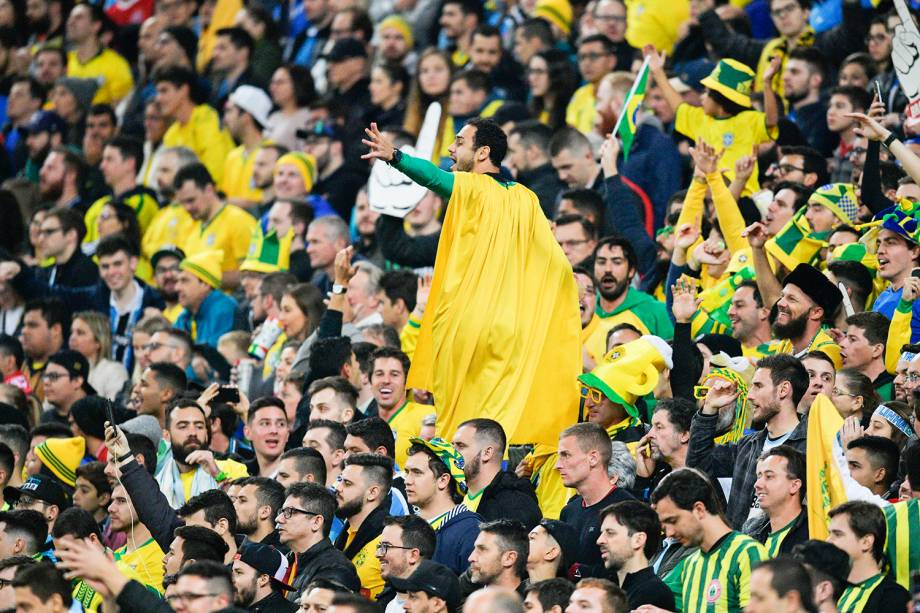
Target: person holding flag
point(501, 331)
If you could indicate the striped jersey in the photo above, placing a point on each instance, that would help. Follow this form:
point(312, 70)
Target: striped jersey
point(903, 519)
point(775, 539)
point(717, 581)
point(855, 597)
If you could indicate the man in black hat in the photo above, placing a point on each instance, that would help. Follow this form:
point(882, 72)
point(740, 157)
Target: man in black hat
point(808, 300)
point(43, 132)
point(348, 83)
point(65, 379)
point(339, 179)
point(553, 545)
point(432, 588)
point(40, 493)
point(260, 573)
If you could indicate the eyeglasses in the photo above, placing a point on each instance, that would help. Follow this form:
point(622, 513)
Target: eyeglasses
point(188, 597)
point(782, 11)
point(48, 231)
point(164, 269)
point(54, 376)
point(591, 56)
point(27, 502)
point(785, 169)
point(616, 18)
point(288, 512)
point(383, 547)
point(700, 391)
point(590, 392)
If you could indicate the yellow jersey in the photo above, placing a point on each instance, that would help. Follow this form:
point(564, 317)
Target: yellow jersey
point(232, 468)
point(143, 200)
point(821, 342)
point(204, 136)
point(580, 112)
point(169, 228)
point(229, 230)
point(146, 562)
point(737, 135)
point(368, 567)
point(237, 181)
point(406, 423)
point(110, 70)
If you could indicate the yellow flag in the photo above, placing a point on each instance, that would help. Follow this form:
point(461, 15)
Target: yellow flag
point(501, 333)
point(824, 489)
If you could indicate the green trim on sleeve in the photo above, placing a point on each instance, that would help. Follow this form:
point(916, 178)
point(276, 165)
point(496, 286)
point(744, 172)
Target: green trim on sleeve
point(427, 175)
point(905, 306)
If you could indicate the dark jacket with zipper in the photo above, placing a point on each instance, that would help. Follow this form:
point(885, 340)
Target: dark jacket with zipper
point(735, 460)
point(273, 603)
point(510, 497)
point(370, 529)
point(323, 561)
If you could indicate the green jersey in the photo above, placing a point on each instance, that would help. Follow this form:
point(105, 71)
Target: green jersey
point(903, 519)
point(717, 581)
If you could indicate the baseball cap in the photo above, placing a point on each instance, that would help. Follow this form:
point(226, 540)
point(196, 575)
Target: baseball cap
point(164, 251)
point(254, 101)
point(75, 364)
point(41, 488)
point(268, 560)
point(435, 580)
point(346, 49)
point(327, 129)
point(567, 537)
point(45, 121)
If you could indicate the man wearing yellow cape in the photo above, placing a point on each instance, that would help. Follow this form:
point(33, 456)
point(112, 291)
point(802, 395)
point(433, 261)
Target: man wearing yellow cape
point(501, 333)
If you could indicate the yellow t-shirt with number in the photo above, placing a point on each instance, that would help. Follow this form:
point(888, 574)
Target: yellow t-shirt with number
point(737, 135)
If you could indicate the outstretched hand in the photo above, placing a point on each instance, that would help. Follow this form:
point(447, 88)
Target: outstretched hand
point(380, 148)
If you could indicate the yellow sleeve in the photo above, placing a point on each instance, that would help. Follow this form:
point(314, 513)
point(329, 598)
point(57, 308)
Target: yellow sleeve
point(758, 128)
point(729, 215)
point(688, 119)
point(693, 206)
point(898, 334)
point(91, 219)
point(409, 336)
point(212, 146)
point(118, 81)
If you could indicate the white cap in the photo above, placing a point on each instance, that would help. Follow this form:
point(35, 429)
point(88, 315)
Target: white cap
point(254, 101)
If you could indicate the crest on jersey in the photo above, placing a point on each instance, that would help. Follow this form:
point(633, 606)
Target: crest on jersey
point(713, 591)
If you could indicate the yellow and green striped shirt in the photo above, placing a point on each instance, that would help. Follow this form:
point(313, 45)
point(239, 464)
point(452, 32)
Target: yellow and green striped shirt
point(775, 539)
point(855, 597)
point(903, 519)
point(717, 581)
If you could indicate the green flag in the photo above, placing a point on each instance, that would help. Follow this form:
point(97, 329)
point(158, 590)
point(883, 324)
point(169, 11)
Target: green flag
point(626, 124)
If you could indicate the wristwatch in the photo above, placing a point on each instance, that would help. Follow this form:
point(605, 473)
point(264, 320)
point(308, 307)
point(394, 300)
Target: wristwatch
point(397, 155)
point(338, 290)
point(889, 140)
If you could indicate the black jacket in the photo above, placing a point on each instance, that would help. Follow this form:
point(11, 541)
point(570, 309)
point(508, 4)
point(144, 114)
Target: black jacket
point(322, 561)
point(760, 530)
point(544, 182)
point(78, 271)
point(369, 530)
point(735, 460)
point(137, 598)
point(273, 603)
point(341, 187)
point(510, 497)
point(153, 509)
point(586, 521)
point(400, 248)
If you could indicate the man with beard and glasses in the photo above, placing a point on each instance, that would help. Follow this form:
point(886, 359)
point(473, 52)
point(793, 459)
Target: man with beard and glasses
point(615, 267)
point(165, 263)
point(363, 492)
point(260, 575)
point(630, 534)
point(190, 468)
point(808, 299)
point(778, 385)
point(404, 543)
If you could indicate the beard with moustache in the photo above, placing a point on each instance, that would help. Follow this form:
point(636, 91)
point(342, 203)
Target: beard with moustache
point(618, 290)
point(181, 452)
point(247, 595)
point(471, 469)
point(349, 508)
point(794, 329)
point(766, 414)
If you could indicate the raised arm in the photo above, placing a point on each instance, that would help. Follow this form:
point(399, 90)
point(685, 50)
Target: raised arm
point(421, 171)
point(656, 67)
point(873, 130)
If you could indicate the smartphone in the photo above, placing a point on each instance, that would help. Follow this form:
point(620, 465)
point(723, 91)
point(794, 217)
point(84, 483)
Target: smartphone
point(227, 394)
point(915, 272)
point(110, 413)
point(878, 90)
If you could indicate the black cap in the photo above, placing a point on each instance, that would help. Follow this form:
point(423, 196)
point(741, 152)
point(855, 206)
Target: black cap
point(816, 286)
point(346, 49)
point(166, 251)
point(435, 580)
point(90, 415)
point(40, 487)
point(320, 129)
point(76, 365)
point(567, 537)
point(265, 559)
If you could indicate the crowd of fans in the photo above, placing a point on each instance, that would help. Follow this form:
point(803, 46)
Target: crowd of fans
point(207, 330)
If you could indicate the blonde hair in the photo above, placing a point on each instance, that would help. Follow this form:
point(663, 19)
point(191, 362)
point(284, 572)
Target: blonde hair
point(619, 81)
point(98, 324)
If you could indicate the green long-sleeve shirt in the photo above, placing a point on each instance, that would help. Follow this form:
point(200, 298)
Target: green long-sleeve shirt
point(427, 175)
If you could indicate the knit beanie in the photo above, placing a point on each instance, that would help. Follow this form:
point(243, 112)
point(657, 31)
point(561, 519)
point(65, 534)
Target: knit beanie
point(62, 456)
point(83, 90)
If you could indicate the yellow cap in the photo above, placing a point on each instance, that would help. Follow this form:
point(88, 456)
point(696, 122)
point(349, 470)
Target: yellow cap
point(305, 165)
point(206, 266)
point(630, 370)
point(399, 23)
point(557, 12)
point(62, 456)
